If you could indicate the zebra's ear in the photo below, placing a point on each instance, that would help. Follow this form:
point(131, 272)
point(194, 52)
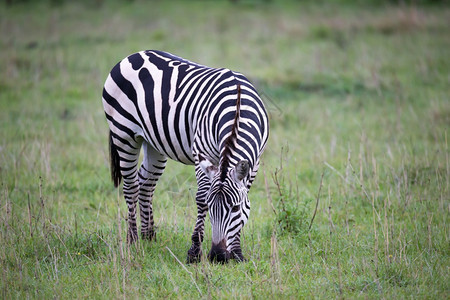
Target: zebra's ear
point(208, 168)
point(241, 170)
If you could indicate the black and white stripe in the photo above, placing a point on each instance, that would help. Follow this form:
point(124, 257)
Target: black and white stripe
point(211, 118)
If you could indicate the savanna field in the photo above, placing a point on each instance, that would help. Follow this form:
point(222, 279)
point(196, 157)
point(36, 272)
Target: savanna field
point(351, 200)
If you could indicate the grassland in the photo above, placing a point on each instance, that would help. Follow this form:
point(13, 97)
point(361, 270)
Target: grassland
point(358, 98)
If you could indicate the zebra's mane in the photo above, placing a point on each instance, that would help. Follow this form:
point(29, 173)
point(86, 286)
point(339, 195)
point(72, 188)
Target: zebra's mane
point(229, 143)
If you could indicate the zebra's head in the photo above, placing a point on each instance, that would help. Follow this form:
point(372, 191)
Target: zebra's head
point(226, 199)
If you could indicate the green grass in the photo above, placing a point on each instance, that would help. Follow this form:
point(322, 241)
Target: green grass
point(358, 98)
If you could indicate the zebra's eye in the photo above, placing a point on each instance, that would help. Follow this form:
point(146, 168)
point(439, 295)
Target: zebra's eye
point(236, 208)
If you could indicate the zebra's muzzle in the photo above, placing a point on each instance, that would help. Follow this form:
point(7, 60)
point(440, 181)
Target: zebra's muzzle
point(219, 252)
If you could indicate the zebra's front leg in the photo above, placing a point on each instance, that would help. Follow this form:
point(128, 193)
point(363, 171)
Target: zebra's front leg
point(235, 248)
point(236, 251)
point(151, 169)
point(195, 252)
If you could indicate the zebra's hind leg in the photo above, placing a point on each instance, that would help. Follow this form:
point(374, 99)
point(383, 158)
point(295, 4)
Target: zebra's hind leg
point(130, 191)
point(195, 252)
point(151, 169)
point(128, 153)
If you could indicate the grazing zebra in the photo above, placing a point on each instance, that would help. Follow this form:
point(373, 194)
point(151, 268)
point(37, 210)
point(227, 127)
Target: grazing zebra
point(207, 117)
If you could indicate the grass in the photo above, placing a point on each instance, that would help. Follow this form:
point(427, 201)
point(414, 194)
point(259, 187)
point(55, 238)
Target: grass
point(358, 98)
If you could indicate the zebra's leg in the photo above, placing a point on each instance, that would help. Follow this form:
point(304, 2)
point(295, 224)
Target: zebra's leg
point(195, 252)
point(236, 251)
point(128, 154)
point(151, 169)
point(130, 191)
point(235, 248)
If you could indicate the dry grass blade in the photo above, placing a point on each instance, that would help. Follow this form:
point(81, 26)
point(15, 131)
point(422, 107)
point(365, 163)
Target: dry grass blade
point(317, 201)
point(269, 197)
point(184, 267)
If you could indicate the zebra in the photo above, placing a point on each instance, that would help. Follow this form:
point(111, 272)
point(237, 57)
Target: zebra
point(212, 118)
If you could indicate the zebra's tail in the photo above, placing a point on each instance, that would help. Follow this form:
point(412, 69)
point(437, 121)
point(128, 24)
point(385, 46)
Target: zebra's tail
point(116, 176)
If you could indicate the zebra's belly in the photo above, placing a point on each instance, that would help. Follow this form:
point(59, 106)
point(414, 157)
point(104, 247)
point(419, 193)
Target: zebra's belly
point(187, 160)
point(169, 147)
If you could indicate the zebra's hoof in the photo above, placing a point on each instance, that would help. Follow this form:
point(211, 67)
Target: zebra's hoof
point(241, 259)
point(149, 235)
point(194, 255)
point(132, 237)
point(237, 256)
